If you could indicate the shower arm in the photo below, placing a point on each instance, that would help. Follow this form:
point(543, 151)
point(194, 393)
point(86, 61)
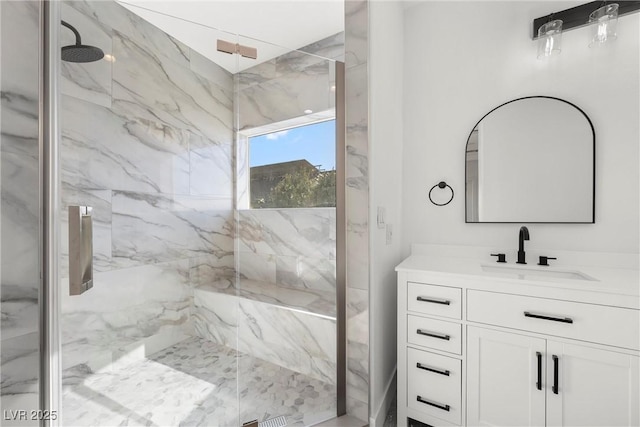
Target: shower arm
point(69, 26)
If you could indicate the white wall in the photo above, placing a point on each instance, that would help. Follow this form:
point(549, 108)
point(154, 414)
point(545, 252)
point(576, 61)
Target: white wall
point(385, 23)
point(464, 58)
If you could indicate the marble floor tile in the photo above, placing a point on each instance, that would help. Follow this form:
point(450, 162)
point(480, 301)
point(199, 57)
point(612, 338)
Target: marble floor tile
point(195, 383)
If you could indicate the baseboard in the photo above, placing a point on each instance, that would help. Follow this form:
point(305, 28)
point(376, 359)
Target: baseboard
point(389, 394)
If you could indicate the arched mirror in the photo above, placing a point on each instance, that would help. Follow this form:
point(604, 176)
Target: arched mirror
point(531, 160)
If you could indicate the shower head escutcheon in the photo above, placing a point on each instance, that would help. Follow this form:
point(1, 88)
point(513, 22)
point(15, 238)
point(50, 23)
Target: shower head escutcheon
point(79, 52)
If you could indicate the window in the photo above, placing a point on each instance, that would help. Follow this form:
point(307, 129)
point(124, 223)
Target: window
point(294, 168)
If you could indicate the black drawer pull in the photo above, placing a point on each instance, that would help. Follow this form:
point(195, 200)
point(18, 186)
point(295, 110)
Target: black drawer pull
point(542, 316)
point(433, 334)
point(436, 405)
point(434, 300)
point(539, 382)
point(437, 371)
point(555, 374)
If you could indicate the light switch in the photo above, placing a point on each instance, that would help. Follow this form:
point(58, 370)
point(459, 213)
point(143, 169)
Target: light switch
point(381, 215)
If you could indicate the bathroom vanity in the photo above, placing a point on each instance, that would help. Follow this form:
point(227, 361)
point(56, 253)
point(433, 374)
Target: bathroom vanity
point(484, 343)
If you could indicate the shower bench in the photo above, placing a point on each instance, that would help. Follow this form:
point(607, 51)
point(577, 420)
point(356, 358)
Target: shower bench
point(292, 328)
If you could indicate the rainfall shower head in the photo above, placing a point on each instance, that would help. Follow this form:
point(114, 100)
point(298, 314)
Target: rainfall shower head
point(79, 52)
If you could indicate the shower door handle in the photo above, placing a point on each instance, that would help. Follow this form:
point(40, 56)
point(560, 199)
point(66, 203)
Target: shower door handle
point(80, 249)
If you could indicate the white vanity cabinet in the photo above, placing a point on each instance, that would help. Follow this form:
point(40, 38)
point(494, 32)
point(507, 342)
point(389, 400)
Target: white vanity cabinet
point(512, 379)
point(476, 352)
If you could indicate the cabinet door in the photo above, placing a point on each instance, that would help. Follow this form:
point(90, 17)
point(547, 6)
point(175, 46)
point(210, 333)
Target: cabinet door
point(595, 387)
point(502, 379)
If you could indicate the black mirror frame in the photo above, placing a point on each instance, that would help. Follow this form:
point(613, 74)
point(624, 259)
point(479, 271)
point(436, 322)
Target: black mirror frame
point(593, 132)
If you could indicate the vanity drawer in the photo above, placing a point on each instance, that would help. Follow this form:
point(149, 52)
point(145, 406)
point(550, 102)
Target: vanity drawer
point(438, 334)
point(588, 322)
point(434, 300)
point(436, 380)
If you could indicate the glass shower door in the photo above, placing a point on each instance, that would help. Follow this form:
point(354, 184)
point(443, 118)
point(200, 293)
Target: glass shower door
point(286, 233)
point(147, 144)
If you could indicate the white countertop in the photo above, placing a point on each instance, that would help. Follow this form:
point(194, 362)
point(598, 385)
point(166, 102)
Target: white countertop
point(617, 285)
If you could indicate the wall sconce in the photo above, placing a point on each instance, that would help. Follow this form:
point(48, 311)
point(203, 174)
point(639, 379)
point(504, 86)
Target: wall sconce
point(550, 38)
point(603, 22)
point(602, 18)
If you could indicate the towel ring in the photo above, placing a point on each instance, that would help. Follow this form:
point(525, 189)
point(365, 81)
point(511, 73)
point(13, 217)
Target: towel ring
point(441, 184)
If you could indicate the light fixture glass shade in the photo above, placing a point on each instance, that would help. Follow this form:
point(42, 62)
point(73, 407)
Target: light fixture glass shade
point(549, 38)
point(603, 23)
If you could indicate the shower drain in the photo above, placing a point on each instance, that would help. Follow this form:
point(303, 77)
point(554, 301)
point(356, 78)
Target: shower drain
point(274, 422)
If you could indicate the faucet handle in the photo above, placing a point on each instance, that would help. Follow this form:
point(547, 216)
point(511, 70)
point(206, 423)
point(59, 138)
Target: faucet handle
point(501, 257)
point(544, 259)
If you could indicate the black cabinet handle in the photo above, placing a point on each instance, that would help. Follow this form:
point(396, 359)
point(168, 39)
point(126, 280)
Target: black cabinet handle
point(539, 382)
point(542, 316)
point(434, 300)
point(437, 371)
point(555, 374)
point(437, 405)
point(433, 334)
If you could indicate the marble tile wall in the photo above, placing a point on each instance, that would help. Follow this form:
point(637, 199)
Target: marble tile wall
point(286, 86)
point(357, 174)
point(292, 248)
point(298, 340)
point(147, 142)
point(19, 209)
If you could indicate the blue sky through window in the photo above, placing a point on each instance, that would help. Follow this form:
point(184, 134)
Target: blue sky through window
point(315, 143)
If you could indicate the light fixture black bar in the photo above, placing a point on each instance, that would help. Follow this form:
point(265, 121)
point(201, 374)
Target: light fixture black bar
point(579, 15)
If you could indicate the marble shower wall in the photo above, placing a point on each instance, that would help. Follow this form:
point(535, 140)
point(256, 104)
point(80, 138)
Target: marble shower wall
point(19, 208)
point(147, 142)
point(291, 248)
point(357, 113)
point(284, 87)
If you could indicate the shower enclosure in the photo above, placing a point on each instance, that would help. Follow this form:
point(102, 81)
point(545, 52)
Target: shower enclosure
point(198, 308)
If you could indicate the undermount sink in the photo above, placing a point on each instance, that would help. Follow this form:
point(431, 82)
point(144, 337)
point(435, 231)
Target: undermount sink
point(531, 272)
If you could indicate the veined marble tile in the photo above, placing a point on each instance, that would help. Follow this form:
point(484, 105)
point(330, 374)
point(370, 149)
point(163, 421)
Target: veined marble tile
point(215, 317)
point(211, 167)
point(285, 97)
point(150, 228)
point(356, 32)
point(357, 408)
point(242, 172)
point(211, 71)
point(19, 207)
point(321, 303)
point(257, 266)
point(110, 15)
point(103, 150)
point(306, 273)
point(20, 211)
point(123, 308)
point(358, 315)
point(87, 81)
point(156, 88)
point(290, 232)
point(357, 244)
point(19, 47)
point(300, 341)
point(358, 371)
point(298, 61)
point(207, 270)
point(19, 389)
point(331, 47)
point(100, 201)
point(196, 383)
point(20, 361)
point(20, 310)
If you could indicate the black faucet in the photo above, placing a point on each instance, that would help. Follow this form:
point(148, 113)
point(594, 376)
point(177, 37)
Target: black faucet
point(524, 235)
